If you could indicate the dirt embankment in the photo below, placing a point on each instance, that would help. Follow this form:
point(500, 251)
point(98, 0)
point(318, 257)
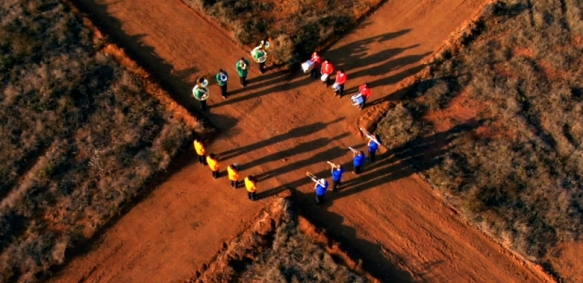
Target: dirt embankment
point(278, 240)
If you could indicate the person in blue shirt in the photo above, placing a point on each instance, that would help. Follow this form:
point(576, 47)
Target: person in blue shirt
point(321, 187)
point(358, 161)
point(373, 146)
point(337, 172)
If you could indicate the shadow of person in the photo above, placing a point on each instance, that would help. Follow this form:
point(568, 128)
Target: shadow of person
point(293, 133)
point(370, 255)
point(298, 149)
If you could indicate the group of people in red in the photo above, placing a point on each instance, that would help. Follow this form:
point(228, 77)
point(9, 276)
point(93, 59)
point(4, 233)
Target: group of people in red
point(323, 69)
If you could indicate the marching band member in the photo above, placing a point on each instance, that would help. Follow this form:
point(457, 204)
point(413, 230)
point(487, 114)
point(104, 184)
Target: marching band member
point(222, 78)
point(321, 187)
point(337, 172)
point(200, 92)
point(327, 69)
point(213, 164)
point(233, 173)
point(257, 55)
point(358, 161)
point(242, 69)
point(200, 151)
point(339, 83)
point(251, 185)
point(317, 61)
point(364, 90)
point(373, 146)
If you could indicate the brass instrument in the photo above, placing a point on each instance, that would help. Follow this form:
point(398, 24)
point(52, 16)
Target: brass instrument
point(261, 59)
point(200, 90)
point(313, 177)
point(353, 150)
point(370, 136)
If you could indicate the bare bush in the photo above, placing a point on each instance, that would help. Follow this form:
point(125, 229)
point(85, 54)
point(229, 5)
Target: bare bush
point(524, 181)
point(308, 23)
point(80, 137)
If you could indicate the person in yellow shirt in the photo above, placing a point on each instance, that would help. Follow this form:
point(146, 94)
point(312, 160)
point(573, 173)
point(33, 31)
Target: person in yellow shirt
point(200, 151)
point(251, 185)
point(233, 172)
point(213, 164)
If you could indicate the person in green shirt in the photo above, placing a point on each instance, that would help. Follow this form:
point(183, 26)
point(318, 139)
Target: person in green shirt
point(242, 69)
point(259, 53)
point(222, 78)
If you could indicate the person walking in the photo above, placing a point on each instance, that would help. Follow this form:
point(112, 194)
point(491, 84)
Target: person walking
point(233, 172)
point(373, 146)
point(364, 91)
point(251, 185)
point(358, 161)
point(339, 83)
point(200, 151)
point(242, 70)
point(213, 164)
point(317, 61)
point(222, 77)
point(337, 172)
point(326, 70)
point(321, 187)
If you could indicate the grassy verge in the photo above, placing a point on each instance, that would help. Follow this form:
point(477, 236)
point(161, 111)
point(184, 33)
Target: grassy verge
point(279, 246)
point(80, 137)
point(297, 27)
point(516, 168)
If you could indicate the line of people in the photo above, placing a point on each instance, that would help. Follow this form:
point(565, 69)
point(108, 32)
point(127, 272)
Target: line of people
point(319, 68)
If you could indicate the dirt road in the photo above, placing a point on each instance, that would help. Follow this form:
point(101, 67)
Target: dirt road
point(279, 127)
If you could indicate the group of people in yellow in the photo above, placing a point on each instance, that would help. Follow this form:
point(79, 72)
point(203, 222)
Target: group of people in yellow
point(212, 162)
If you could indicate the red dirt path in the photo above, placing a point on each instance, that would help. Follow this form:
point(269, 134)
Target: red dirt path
point(279, 127)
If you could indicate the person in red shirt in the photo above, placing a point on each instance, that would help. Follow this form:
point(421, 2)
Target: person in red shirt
point(364, 90)
point(327, 69)
point(317, 60)
point(340, 81)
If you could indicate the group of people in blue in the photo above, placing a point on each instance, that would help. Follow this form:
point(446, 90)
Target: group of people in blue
point(337, 171)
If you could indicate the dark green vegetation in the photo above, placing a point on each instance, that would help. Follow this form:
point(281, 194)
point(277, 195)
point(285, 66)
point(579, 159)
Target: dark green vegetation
point(79, 137)
point(297, 27)
point(516, 170)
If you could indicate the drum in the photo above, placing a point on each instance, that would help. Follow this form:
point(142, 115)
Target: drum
point(336, 86)
point(324, 77)
point(200, 93)
point(223, 77)
point(357, 99)
point(308, 66)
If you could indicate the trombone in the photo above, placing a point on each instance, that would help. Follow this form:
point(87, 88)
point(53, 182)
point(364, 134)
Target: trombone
point(370, 136)
point(313, 177)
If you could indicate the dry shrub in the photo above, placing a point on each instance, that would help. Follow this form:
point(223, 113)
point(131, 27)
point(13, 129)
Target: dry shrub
point(309, 24)
point(282, 51)
point(525, 183)
point(80, 137)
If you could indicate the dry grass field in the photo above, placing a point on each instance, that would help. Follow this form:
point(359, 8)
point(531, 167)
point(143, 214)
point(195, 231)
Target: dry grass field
point(280, 246)
point(79, 137)
point(297, 27)
point(507, 101)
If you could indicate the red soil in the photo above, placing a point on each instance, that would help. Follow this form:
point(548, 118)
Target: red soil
point(279, 127)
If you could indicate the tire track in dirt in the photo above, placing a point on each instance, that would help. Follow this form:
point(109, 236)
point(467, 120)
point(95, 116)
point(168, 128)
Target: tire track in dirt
point(388, 217)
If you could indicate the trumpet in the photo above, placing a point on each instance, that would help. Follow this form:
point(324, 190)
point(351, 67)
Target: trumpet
point(313, 177)
point(370, 136)
point(352, 149)
point(332, 164)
